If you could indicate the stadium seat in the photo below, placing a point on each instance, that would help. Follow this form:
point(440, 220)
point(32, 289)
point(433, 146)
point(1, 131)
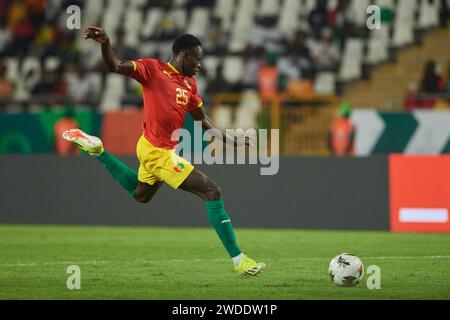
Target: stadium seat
point(133, 19)
point(224, 9)
point(385, 4)
point(111, 24)
point(233, 69)
point(21, 92)
point(92, 12)
point(199, 21)
point(269, 7)
point(250, 100)
point(148, 49)
point(248, 109)
point(352, 60)
point(306, 6)
point(288, 21)
point(242, 25)
point(210, 64)
point(428, 14)
point(151, 20)
point(96, 81)
point(404, 23)
point(325, 83)
point(132, 25)
point(245, 119)
point(405, 10)
point(51, 63)
point(359, 8)
point(180, 17)
point(332, 4)
point(116, 5)
point(378, 46)
point(222, 116)
point(180, 3)
point(136, 4)
point(403, 33)
point(12, 69)
point(113, 92)
point(237, 18)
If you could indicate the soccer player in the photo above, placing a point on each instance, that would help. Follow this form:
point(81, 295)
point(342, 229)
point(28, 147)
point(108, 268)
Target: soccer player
point(169, 91)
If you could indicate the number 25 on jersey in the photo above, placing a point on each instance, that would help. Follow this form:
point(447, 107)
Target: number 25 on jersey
point(182, 97)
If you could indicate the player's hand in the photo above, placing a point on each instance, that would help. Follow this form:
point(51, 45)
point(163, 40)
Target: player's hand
point(245, 138)
point(96, 34)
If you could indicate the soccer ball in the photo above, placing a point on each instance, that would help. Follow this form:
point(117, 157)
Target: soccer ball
point(346, 270)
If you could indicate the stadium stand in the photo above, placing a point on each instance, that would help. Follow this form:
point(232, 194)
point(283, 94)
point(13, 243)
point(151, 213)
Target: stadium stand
point(320, 44)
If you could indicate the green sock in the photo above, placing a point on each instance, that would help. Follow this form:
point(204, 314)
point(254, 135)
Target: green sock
point(123, 174)
point(220, 221)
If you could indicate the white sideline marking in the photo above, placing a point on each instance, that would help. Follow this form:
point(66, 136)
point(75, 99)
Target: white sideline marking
point(94, 262)
point(406, 258)
point(427, 215)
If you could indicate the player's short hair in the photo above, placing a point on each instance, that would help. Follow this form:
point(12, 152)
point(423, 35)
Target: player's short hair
point(185, 42)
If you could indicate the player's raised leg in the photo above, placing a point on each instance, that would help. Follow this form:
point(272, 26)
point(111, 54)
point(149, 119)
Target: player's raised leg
point(199, 184)
point(124, 175)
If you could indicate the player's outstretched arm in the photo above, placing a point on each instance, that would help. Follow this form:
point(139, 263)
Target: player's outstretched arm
point(207, 124)
point(114, 65)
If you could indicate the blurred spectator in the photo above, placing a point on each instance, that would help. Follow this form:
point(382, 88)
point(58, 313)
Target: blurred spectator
point(411, 98)
point(23, 33)
point(324, 52)
point(343, 21)
point(219, 84)
point(30, 27)
point(167, 28)
point(432, 84)
point(299, 59)
point(318, 18)
point(123, 51)
point(62, 146)
point(214, 39)
point(69, 50)
point(47, 39)
point(268, 78)
point(51, 85)
point(289, 70)
point(341, 139)
point(265, 33)
point(18, 11)
point(444, 14)
point(253, 60)
point(79, 87)
point(36, 9)
point(431, 81)
point(6, 86)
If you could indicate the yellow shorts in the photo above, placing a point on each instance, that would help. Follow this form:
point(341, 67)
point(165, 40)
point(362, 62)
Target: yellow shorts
point(158, 164)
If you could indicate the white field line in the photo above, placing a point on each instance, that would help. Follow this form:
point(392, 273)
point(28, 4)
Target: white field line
point(95, 262)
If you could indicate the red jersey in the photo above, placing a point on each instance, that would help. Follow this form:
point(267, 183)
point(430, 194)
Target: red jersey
point(168, 95)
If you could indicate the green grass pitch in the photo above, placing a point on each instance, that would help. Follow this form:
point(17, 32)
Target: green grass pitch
point(171, 263)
